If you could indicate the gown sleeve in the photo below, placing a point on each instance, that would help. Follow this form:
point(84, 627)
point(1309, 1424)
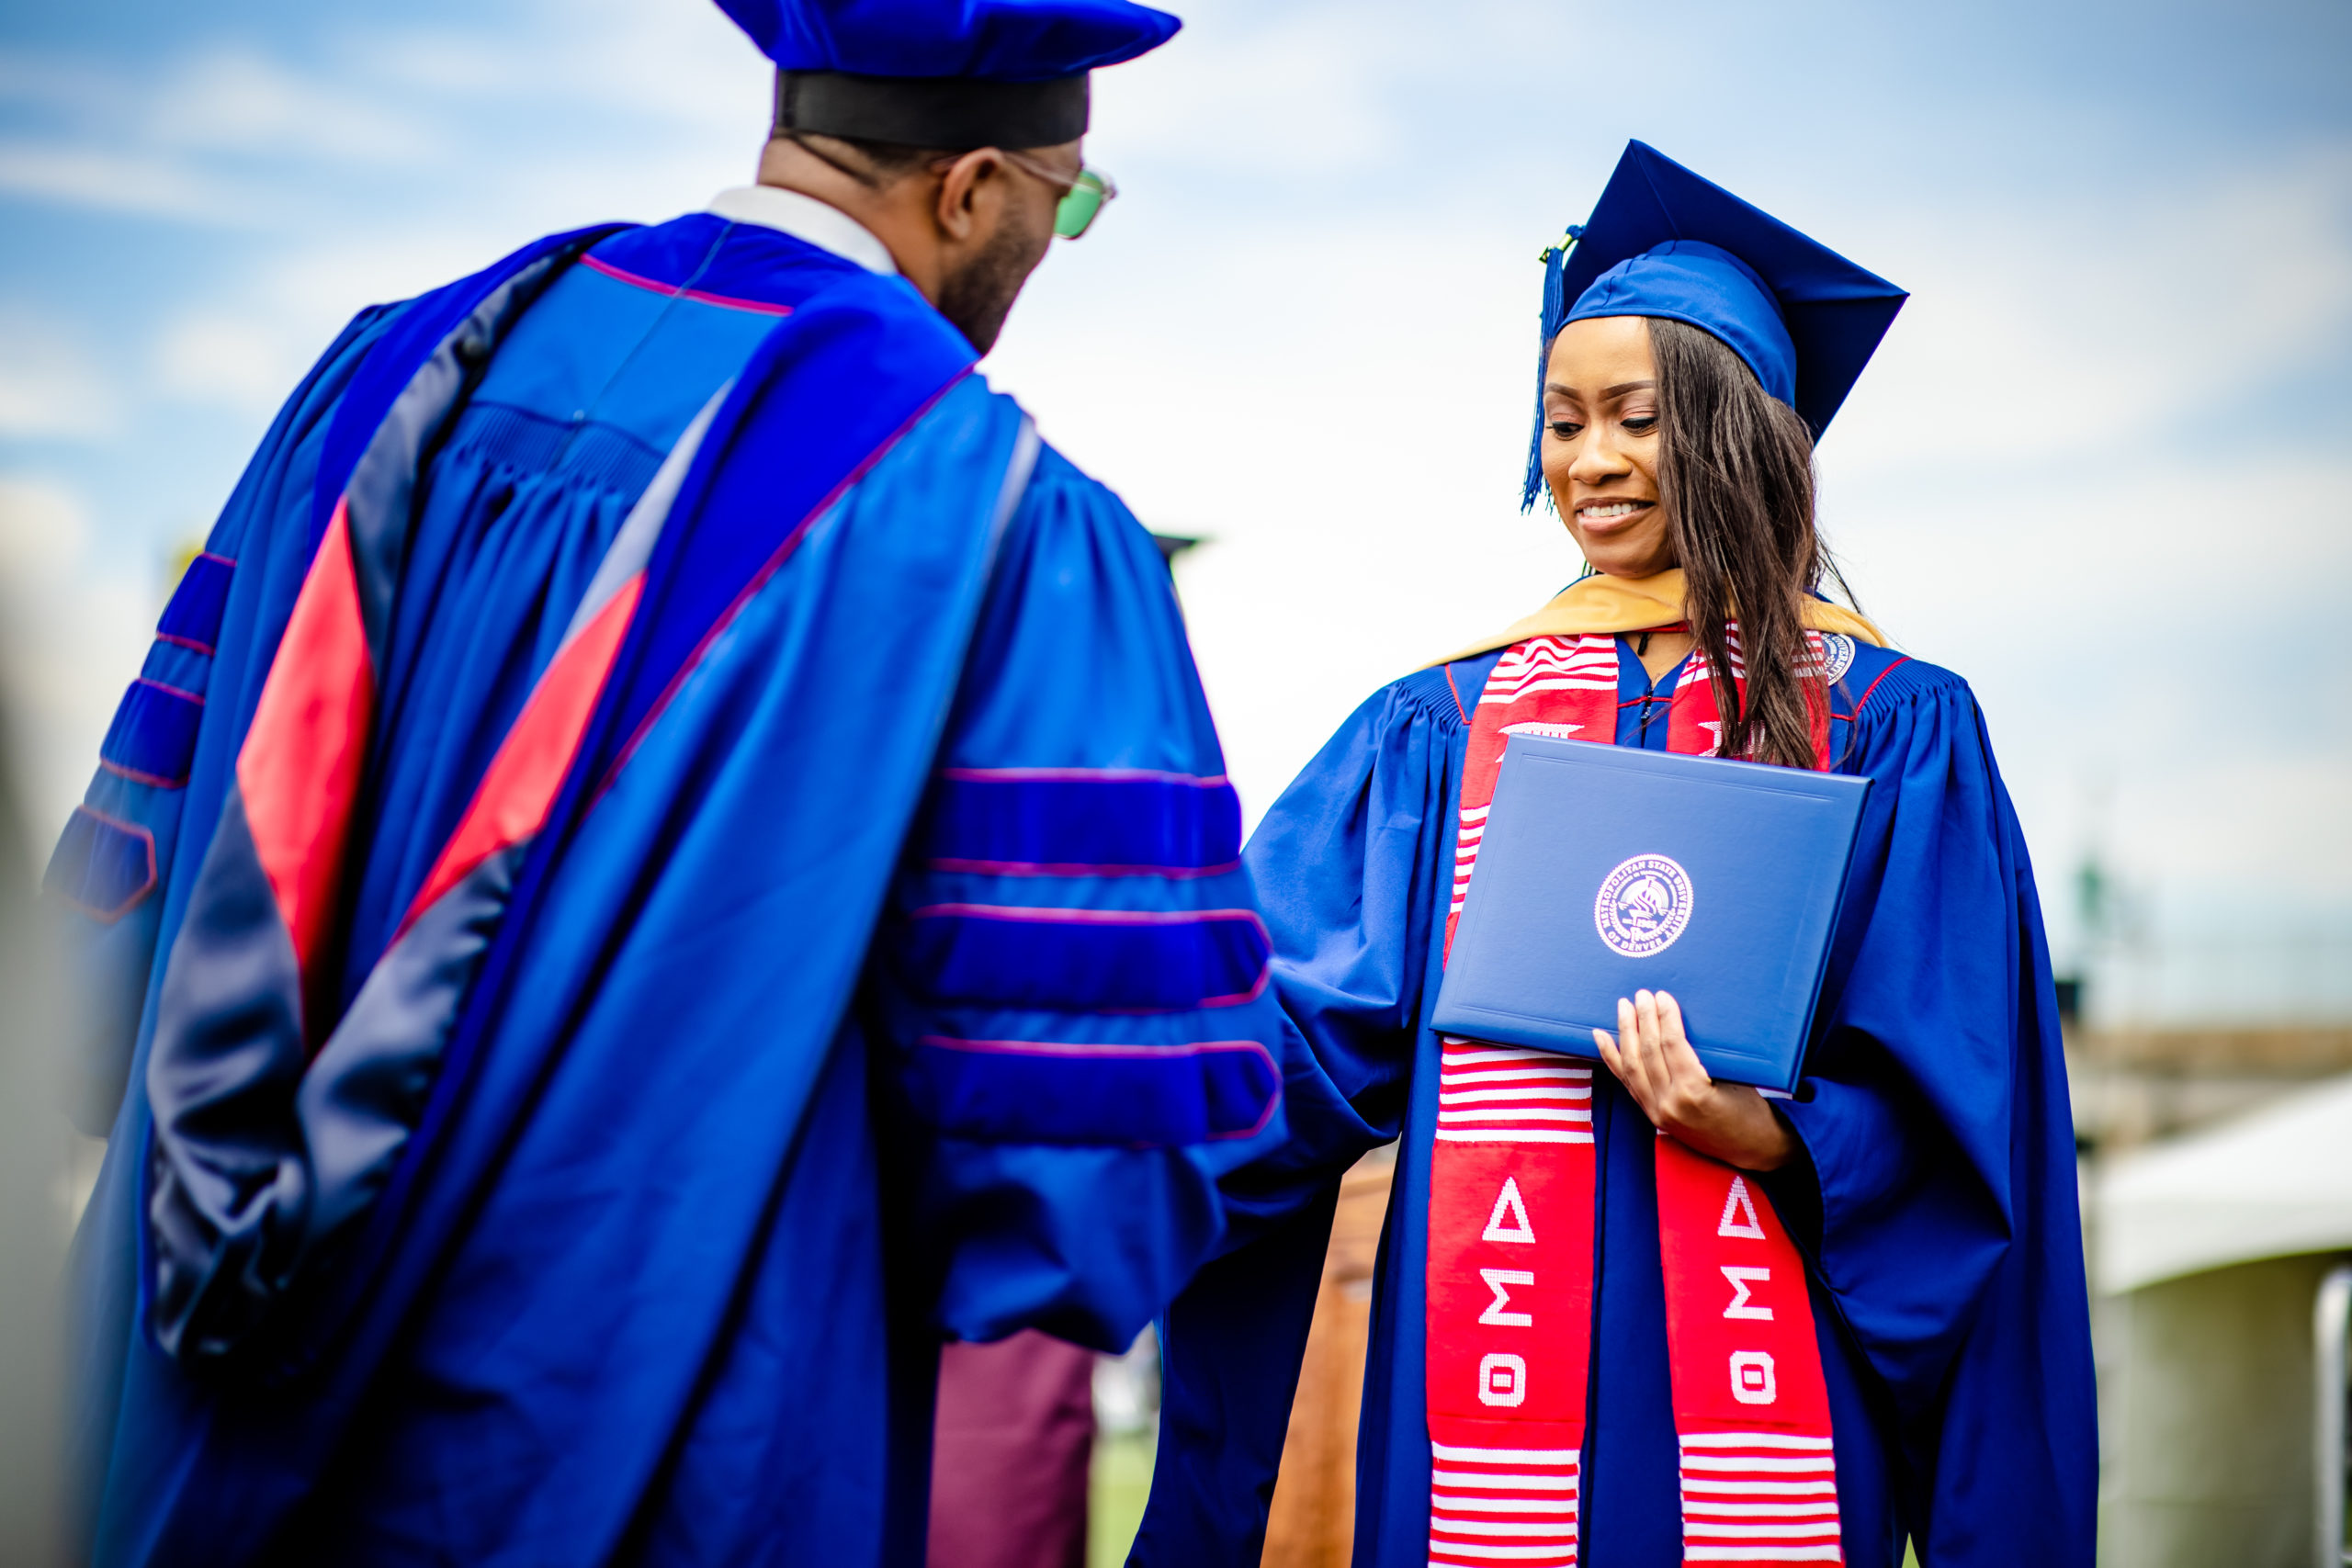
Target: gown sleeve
point(1070, 983)
point(1348, 867)
point(1938, 1186)
point(113, 864)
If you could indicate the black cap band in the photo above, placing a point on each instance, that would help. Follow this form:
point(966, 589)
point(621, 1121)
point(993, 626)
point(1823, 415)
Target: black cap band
point(951, 113)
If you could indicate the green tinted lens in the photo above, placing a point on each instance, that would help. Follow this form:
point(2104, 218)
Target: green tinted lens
point(1078, 205)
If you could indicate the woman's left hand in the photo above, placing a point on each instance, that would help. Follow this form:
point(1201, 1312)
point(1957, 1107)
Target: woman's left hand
point(1652, 1057)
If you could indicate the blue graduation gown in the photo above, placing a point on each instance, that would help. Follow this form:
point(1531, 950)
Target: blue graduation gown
point(1935, 1197)
point(884, 971)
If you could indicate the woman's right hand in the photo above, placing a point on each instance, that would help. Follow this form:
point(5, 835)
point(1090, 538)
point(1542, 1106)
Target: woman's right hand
point(1652, 1057)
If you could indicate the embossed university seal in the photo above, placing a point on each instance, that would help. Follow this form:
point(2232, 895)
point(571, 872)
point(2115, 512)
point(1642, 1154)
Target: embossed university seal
point(1837, 656)
point(1643, 905)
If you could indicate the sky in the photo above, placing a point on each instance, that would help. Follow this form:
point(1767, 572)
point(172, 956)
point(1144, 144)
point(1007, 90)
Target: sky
point(2100, 466)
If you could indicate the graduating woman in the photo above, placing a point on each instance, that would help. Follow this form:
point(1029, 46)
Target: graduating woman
point(1628, 1316)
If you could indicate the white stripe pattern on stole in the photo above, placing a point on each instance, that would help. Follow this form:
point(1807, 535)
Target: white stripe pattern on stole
point(1493, 1507)
point(1552, 664)
point(1759, 1497)
point(1465, 850)
point(1814, 661)
point(1502, 1094)
point(1528, 669)
point(1699, 671)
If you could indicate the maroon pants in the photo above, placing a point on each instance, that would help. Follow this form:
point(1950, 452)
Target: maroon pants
point(1009, 1458)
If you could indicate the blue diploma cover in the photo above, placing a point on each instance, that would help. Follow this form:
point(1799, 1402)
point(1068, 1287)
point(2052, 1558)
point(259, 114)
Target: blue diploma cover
point(1605, 869)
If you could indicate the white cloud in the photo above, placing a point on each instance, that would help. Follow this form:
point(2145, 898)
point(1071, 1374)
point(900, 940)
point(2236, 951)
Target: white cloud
point(43, 527)
point(50, 385)
point(139, 182)
point(2052, 326)
point(451, 63)
point(188, 141)
point(679, 64)
point(239, 362)
point(2229, 820)
point(2127, 544)
point(1278, 95)
point(241, 100)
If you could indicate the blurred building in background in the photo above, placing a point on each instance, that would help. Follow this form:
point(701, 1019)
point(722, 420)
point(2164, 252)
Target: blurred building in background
point(2220, 1287)
point(2212, 1082)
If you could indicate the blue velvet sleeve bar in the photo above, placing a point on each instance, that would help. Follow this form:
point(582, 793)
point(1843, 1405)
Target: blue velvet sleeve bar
point(1934, 1119)
point(1350, 865)
point(1072, 978)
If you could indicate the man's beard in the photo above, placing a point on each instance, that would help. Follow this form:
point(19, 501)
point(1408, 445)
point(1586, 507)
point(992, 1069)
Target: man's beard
point(979, 296)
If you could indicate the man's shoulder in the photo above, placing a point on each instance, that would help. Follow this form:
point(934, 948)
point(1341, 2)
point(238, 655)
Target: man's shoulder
point(1056, 474)
point(1069, 521)
point(1059, 487)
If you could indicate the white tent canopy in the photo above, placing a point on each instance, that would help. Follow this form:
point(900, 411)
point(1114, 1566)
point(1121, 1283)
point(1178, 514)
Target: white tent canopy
point(2272, 1184)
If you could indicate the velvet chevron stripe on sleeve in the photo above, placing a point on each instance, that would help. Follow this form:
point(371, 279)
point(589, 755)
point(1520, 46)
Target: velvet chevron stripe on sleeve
point(1081, 822)
point(1088, 960)
point(1041, 1093)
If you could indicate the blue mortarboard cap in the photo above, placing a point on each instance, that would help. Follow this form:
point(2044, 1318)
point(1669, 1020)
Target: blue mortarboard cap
point(1662, 242)
point(989, 41)
point(1690, 280)
point(949, 74)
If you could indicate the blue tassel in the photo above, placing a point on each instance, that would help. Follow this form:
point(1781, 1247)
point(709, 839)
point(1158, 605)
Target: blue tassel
point(1556, 310)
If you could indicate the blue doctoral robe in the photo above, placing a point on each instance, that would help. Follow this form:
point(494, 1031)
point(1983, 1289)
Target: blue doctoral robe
point(1934, 1197)
point(883, 973)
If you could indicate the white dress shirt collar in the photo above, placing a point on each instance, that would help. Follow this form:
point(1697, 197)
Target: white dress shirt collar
point(805, 218)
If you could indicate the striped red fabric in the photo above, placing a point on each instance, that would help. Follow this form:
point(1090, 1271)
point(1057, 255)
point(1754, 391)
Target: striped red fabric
point(1503, 1094)
point(1759, 1497)
point(1509, 1267)
point(1759, 1481)
point(1554, 674)
point(1490, 1506)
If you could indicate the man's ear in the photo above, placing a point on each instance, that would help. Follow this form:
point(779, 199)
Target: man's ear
point(972, 182)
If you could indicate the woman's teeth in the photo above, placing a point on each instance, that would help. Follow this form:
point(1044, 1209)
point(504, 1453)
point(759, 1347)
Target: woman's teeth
point(1612, 509)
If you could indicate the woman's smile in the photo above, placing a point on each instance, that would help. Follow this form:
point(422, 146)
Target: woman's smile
point(1608, 516)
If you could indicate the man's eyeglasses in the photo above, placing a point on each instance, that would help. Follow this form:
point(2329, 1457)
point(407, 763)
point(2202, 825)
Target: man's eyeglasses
point(1083, 194)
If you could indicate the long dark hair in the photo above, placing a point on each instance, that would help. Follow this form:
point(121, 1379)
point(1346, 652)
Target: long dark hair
point(1736, 473)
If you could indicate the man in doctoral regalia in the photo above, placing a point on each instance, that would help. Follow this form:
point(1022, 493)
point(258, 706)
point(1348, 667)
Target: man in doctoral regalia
point(667, 857)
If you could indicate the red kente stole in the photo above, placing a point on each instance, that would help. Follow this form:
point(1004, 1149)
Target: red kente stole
point(1511, 1214)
